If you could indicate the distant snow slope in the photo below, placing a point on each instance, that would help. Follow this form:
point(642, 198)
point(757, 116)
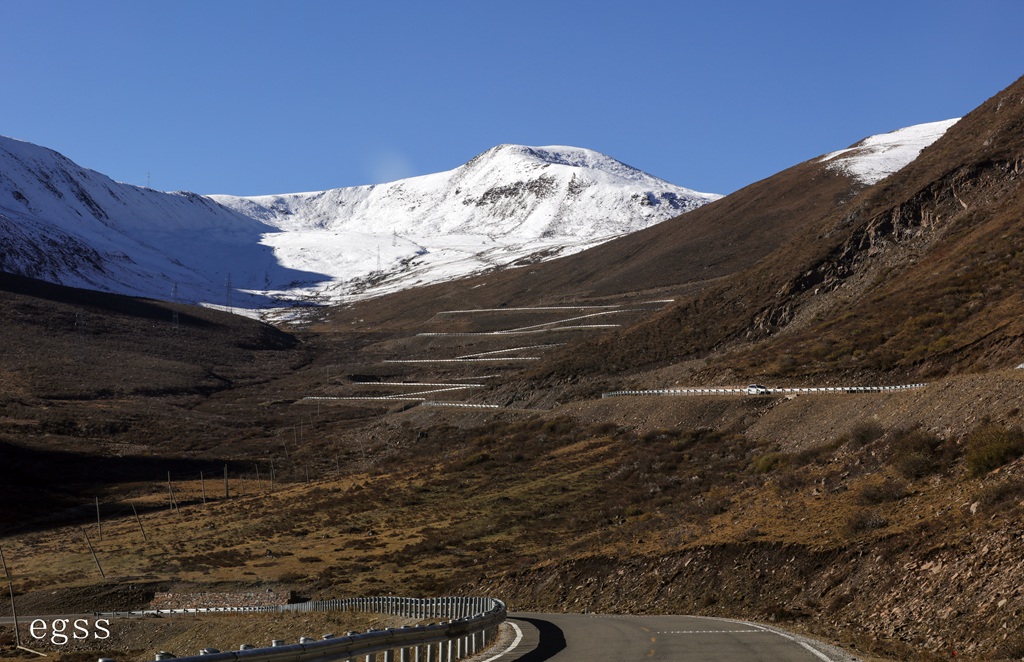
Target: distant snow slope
point(510, 204)
point(67, 224)
point(875, 158)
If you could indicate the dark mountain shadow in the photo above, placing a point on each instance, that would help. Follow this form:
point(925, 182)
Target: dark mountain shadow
point(115, 303)
point(552, 640)
point(41, 488)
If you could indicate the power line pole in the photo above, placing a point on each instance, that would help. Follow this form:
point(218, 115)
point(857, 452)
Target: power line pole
point(170, 492)
point(10, 587)
point(174, 313)
point(94, 557)
point(139, 520)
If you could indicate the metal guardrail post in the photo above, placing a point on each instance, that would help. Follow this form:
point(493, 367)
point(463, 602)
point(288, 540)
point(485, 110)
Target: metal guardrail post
point(466, 629)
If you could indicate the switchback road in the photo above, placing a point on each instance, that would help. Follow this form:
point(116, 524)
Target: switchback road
point(596, 638)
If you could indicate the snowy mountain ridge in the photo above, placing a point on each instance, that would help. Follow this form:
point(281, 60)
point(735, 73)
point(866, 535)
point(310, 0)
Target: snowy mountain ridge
point(508, 191)
point(67, 224)
point(71, 225)
point(509, 206)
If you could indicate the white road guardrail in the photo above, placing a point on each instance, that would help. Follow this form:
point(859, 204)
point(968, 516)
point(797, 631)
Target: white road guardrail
point(472, 625)
point(457, 405)
point(393, 398)
point(761, 390)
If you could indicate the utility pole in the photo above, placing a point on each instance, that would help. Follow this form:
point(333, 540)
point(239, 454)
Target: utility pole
point(94, 557)
point(174, 313)
point(139, 520)
point(10, 587)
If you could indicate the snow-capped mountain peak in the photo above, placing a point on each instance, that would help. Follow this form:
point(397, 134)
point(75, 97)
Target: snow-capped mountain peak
point(524, 193)
point(575, 157)
point(511, 203)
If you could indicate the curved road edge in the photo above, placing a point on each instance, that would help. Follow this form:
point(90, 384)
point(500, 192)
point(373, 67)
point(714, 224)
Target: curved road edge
point(538, 637)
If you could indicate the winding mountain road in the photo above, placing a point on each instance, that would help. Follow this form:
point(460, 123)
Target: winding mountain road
point(594, 638)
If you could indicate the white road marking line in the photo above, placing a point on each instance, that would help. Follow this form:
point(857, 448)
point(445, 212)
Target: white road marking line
point(515, 642)
point(712, 631)
point(815, 651)
point(781, 634)
point(810, 648)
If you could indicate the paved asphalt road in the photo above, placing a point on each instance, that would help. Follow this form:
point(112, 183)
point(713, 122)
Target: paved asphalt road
point(602, 638)
point(596, 638)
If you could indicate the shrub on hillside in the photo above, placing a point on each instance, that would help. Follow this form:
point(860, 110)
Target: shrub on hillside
point(865, 519)
point(772, 461)
point(915, 453)
point(991, 446)
point(881, 491)
point(768, 462)
point(1003, 495)
point(863, 434)
point(791, 480)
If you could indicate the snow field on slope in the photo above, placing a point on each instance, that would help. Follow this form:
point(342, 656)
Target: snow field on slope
point(875, 158)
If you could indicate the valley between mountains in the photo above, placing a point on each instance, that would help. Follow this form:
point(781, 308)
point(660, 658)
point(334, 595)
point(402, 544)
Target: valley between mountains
point(888, 523)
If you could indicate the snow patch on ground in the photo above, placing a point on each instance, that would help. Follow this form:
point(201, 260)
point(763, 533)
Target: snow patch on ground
point(875, 158)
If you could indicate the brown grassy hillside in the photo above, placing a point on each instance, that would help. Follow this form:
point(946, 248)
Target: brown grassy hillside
point(886, 521)
point(916, 277)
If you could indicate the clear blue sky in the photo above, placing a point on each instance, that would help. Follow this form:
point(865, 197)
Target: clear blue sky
point(253, 97)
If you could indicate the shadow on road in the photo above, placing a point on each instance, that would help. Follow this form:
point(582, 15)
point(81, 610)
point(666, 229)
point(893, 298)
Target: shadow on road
point(552, 641)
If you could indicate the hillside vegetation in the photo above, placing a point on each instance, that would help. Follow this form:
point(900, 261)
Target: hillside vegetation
point(887, 521)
